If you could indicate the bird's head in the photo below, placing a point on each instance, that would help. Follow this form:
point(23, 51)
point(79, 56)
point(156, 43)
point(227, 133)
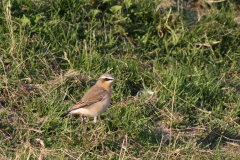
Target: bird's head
point(106, 80)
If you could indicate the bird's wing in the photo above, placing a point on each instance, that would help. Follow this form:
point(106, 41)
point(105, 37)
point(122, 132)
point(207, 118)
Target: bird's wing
point(93, 95)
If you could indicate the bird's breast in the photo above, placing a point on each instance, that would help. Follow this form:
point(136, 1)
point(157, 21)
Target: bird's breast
point(101, 106)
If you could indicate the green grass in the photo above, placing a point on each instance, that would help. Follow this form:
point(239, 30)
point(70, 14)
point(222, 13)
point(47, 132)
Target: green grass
point(52, 52)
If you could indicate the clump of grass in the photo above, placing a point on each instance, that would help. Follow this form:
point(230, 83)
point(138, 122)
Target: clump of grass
point(53, 52)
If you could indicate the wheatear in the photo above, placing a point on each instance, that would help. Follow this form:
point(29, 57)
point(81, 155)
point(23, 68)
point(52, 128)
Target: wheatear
point(96, 100)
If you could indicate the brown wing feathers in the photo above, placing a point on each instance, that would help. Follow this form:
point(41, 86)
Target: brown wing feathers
point(93, 95)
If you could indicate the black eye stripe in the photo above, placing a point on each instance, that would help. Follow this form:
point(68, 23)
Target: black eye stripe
point(107, 79)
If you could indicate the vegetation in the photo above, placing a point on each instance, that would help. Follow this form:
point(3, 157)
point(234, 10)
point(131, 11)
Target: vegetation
point(53, 51)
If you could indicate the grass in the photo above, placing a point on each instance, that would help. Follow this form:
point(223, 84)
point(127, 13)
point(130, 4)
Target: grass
point(52, 52)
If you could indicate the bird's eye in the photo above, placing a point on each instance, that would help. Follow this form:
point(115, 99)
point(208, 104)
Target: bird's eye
point(107, 79)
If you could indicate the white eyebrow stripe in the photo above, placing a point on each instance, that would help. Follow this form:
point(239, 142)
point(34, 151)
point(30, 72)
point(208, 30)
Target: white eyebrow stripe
point(107, 77)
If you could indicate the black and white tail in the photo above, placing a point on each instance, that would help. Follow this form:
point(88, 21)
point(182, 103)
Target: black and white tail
point(64, 115)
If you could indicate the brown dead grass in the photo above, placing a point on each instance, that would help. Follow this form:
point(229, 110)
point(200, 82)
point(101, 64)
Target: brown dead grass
point(197, 9)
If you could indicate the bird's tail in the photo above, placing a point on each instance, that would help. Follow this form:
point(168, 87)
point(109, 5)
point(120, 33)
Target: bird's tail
point(64, 115)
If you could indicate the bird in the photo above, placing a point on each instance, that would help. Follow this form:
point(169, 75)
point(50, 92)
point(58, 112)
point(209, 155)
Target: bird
point(96, 100)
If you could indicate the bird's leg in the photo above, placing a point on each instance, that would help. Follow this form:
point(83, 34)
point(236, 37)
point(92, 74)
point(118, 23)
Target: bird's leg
point(95, 119)
point(84, 124)
point(100, 119)
point(95, 122)
point(95, 126)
